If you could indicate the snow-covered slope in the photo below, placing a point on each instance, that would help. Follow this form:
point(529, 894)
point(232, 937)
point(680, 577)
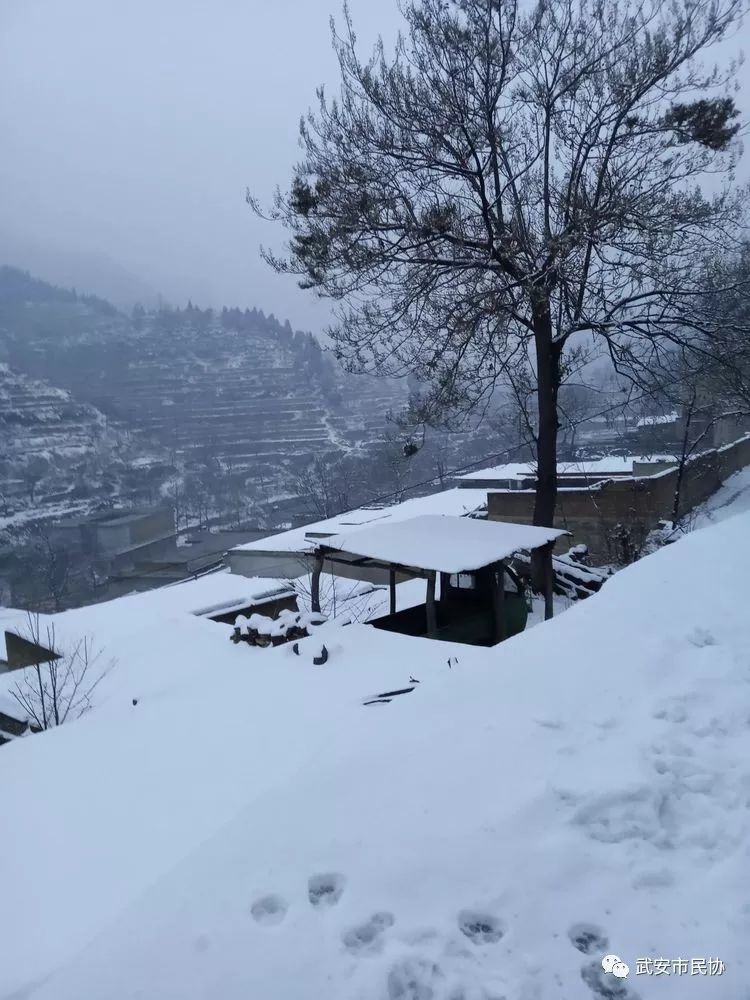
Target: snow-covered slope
point(733, 498)
point(251, 830)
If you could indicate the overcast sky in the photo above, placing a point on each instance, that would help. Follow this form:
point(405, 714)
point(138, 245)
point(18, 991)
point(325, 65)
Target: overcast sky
point(131, 128)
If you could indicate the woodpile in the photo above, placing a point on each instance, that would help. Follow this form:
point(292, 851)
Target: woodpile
point(573, 577)
point(259, 630)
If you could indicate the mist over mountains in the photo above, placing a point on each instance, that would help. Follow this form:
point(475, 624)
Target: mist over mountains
point(221, 412)
point(66, 267)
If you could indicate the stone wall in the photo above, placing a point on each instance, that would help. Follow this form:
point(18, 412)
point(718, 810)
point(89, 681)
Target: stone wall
point(728, 429)
point(614, 518)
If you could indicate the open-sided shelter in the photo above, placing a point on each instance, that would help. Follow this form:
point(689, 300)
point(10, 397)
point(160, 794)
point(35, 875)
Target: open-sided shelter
point(481, 600)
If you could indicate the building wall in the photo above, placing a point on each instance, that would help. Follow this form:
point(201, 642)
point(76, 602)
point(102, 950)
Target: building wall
point(728, 429)
point(650, 468)
point(289, 565)
point(110, 538)
point(265, 563)
point(128, 532)
point(160, 550)
point(154, 524)
point(598, 517)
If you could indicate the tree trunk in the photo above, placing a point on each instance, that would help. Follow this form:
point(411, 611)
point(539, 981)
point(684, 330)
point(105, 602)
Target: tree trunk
point(683, 461)
point(549, 581)
point(498, 601)
point(548, 381)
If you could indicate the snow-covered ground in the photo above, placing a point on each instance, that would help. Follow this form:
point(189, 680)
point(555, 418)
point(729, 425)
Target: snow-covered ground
point(733, 498)
point(250, 829)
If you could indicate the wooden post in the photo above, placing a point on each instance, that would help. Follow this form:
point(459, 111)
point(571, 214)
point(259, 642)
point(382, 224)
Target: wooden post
point(430, 606)
point(498, 601)
point(392, 590)
point(315, 582)
point(549, 582)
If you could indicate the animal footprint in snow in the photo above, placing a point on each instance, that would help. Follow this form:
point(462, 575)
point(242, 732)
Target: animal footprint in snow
point(671, 711)
point(588, 938)
point(202, 943)
point(481, 928)
point(605, 986)
point(701, 637)
point(368, 936)
point(413, 979)
point(268, 910)
point(325, 890)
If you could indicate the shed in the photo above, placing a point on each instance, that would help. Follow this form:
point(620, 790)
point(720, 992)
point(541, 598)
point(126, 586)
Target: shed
point(480, 600)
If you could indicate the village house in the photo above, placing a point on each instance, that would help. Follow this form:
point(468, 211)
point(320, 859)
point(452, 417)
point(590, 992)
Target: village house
point(611, 505)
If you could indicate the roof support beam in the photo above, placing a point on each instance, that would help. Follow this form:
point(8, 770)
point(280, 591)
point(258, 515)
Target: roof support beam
point(315, 582)
point(335, 556)
point(549, 581)
point(497, 580)
point(430, 607)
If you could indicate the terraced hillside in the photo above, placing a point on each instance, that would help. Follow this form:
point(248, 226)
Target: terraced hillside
point(252, 398)
point(47, 440)
point(240, 384)
point(237, 390)
point(42, 421)
point(221, 411)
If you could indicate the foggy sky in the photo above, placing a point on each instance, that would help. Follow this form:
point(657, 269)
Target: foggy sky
point(130, 131)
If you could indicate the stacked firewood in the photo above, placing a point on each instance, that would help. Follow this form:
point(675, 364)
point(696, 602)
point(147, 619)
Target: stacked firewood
point(259, 630)
point(574, 577)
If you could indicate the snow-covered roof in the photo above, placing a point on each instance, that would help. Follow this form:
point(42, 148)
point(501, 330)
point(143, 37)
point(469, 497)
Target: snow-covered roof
point(108, 621)
point(456, 501)
point(612, 465)
point(150, 632)
point(445, 545)
point(658, 419)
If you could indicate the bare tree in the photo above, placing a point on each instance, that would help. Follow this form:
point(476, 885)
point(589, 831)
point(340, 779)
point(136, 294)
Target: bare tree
point(576, 401)
point(701, 406)
point(357, 600)
point(34, 469)
point(391, 465)
point(57, 686)
point(326, 487)
point(56, 566)
point(512, 183)
point(43, 568)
